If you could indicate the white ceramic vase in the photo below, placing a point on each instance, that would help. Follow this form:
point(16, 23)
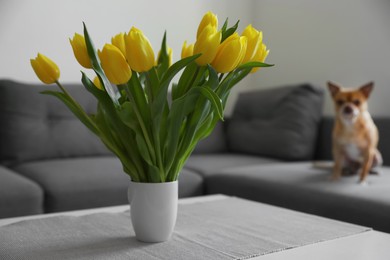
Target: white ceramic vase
point(153, 210)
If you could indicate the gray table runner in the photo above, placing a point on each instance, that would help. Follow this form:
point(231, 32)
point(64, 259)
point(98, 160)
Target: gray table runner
point(230, 228)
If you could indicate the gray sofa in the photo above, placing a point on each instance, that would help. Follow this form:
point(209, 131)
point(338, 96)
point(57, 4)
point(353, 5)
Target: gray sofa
point(263, 152)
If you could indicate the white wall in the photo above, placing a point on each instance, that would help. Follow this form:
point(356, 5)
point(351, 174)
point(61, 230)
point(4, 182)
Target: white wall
point(310, 40)
point(315, 41)
point(28, 27)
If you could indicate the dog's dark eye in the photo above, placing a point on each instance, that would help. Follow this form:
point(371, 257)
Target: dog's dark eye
point(340, 102)
point(356, 102)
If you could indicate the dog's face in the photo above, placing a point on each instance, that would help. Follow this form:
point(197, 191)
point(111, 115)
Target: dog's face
point(350, 103)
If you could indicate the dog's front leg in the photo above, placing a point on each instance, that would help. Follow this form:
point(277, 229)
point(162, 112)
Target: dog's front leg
point(339, 159)
point(367, 164)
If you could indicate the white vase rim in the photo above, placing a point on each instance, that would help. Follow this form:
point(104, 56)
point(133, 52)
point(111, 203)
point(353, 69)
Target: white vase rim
point(166, 182)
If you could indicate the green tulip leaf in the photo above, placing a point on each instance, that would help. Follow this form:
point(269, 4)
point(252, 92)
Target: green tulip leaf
point(142, 112)
point(154, 174)
point(186, 81)
point(152, 83)
point(97, 68)
point(224, 26)
point(202, 132)
point(163, 59)
point(180, 108)
point(176, 68)
point(90, 86)
point(114, 143)
point(137, 96)
point(108, 136)
point(128, 117)
point(230, 31)
point(213, 80)
point(216, 102)
point(160, 102)
point(116, 124)
point(254, 64)
point(143, 149)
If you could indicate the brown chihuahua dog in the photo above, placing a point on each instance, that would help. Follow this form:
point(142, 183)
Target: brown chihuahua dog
point(355, 136)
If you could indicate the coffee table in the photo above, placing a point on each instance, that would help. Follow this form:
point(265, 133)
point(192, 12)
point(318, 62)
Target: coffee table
point(366, 245)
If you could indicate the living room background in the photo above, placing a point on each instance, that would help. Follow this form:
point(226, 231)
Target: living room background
point(310, 41)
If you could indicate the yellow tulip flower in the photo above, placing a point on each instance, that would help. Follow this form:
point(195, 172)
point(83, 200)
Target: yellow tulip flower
point(255, 39)
point(260, 56)
point(46, 70)
point(97, 83)
point(119, 42)
point(139, 52)
point(80, 50)
point(187, 51)
point(208, 19)
point(230, 53)
point(207, 44)
point(114, 65)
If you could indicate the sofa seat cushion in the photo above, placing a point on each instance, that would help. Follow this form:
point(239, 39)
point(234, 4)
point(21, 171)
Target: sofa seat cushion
point(279, 122)
point(207, 164)
point(71, 184)
point(18, 195)
point(301, 187)
point(78, 183)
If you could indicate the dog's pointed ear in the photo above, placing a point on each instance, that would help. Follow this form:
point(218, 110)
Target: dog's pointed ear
point(333, 88)
point(367, 89)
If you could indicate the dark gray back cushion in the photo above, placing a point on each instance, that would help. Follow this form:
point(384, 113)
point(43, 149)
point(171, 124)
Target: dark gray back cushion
point(36, 126)
point(214, 143)
point(383, 125)
point(324, 140)
point(279, 122)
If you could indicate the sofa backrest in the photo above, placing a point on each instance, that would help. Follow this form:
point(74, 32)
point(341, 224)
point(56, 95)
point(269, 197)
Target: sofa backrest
point(38, 127)
point(215, 142)
point(280, 123)
point(324, 142)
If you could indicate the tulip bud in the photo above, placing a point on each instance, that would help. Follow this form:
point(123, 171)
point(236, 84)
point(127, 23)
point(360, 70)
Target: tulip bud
point(207, 44)
point(46, 70)
point(260, 56)
point(80, 50)
point(114, 65)
point(119, 42)
point(139, 52)
point(187, 51)
point(97, 83)
point(255, 39)
point(230, 53)
point(208, 19)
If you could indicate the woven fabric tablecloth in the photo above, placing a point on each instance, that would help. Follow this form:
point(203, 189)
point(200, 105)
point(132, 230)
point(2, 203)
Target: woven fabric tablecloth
point(230, 228)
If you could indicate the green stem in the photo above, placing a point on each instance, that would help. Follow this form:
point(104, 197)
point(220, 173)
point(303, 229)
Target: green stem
point(193, 79)
point(156, 135)
point(67, 94)
point(149, 89)
point(142, 125)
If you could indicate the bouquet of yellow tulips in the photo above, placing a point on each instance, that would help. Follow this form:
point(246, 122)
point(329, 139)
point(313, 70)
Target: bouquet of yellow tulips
point(149, 126)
